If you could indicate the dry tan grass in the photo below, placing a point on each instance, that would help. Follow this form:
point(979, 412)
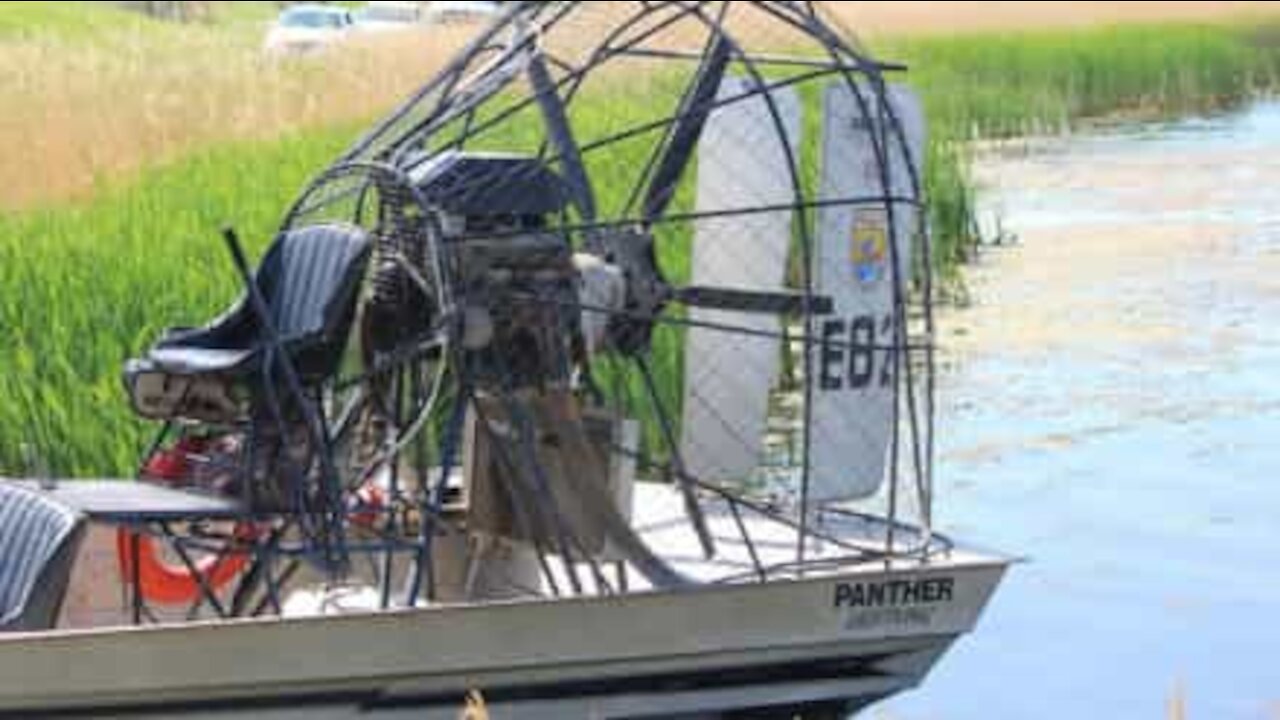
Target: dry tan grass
point(78, 113)
point(73, 114)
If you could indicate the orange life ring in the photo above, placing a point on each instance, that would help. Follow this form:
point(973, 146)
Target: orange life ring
point(168, 583)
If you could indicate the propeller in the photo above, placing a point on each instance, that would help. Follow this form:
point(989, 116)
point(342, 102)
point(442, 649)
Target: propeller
point(561, 136)
point(753, 301)
point(633, 251)
point(681, 143)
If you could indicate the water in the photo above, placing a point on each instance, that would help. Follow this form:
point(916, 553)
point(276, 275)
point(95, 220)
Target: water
point(1111, 410)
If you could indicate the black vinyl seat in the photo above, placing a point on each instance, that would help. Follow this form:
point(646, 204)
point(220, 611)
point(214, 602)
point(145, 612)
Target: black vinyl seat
point(39, 540)
point(309, 280)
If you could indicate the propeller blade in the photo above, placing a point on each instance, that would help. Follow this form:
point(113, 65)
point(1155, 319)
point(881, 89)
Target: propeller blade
point(561, 136)
point(695, 108)
point(754, 301)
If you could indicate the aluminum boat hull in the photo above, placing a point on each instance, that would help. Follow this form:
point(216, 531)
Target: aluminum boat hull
point(839, 639)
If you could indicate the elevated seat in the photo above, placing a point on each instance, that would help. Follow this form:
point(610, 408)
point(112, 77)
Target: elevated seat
point(39, 540)
point(309, 280)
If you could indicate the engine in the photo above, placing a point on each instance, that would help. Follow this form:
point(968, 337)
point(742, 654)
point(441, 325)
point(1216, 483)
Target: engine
point(531, 308)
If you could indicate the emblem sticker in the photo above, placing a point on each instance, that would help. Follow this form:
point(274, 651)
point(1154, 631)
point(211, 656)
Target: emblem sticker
point(870, 248)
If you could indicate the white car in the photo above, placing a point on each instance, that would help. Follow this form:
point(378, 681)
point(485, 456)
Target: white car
point(460, 11)
point(379, 16)
point(307, 28)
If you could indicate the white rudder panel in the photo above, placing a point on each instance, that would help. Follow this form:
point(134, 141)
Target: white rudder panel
point(854, 373)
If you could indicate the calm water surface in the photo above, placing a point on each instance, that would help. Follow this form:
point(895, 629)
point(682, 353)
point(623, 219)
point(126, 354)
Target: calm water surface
point(1111, 411)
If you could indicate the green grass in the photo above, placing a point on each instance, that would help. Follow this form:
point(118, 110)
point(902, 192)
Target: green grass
point(73, 21)
point(79, 22)
point(998, 86)
point(1008, 85)
point(259, 13)
point(84, 286)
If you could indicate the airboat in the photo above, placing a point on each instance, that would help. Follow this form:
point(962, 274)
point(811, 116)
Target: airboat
point(597, 380)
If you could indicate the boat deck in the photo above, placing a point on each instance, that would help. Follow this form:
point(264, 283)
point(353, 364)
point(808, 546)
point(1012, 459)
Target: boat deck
point(751, 545)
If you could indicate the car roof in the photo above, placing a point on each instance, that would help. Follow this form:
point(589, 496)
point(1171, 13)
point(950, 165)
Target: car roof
point(309, 7)
point(470, 4)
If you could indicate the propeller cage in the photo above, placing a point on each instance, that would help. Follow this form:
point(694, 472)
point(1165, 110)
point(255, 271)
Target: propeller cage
point(705, 219)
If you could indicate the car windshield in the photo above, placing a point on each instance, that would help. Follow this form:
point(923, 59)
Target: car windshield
point(309, 18)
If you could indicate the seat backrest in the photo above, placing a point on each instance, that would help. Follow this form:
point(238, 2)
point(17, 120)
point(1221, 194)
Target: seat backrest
point(39, 540)
point(310, 279)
